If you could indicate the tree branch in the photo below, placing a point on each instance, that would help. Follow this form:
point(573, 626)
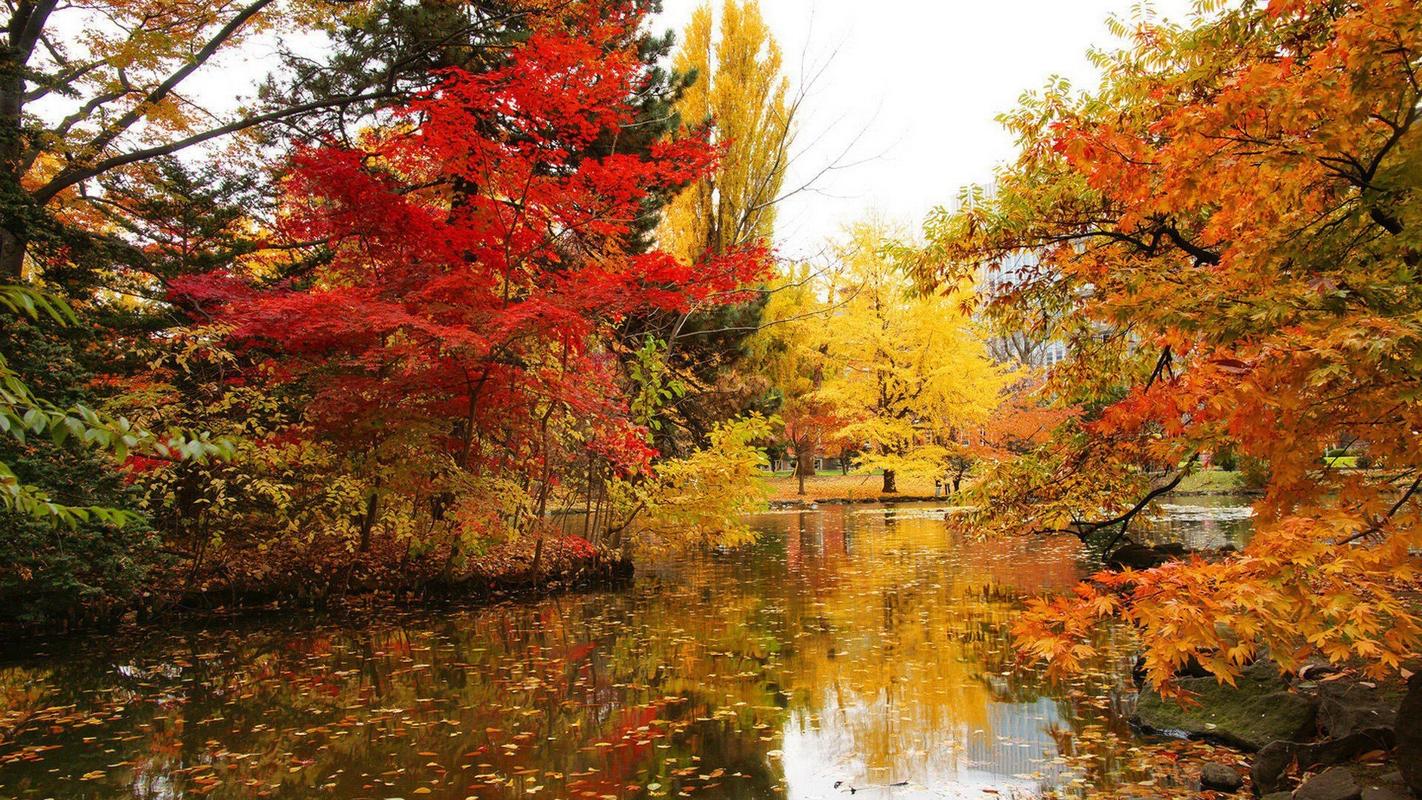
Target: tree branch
point(1378, 524)
point(74, 175)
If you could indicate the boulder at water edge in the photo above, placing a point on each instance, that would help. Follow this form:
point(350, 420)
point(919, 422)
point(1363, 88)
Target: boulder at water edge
point(1275, 758)
point(1259, 710)
point(1220, 778)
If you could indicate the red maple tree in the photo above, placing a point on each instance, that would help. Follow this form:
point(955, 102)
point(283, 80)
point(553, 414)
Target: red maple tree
point(482, 250)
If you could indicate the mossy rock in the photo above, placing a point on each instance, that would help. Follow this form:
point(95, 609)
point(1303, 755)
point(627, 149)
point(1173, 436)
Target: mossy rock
point(1260, 710)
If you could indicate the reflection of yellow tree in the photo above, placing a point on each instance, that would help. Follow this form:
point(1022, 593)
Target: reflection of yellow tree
point(897, 676)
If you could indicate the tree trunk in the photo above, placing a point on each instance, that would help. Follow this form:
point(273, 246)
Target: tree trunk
point(367, 523)
point(804, 461)
point(12, 257)
point(537, 559)
point(891, 485)
point(27, 23)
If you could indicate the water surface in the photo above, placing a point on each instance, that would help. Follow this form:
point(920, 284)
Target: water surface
point(855, 647)
point(1202, 523)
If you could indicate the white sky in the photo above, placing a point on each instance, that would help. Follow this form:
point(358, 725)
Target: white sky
point(922, 80)
point(908, 88)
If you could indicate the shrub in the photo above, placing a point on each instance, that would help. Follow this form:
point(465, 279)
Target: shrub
point(54, 573)
point(1253, 474)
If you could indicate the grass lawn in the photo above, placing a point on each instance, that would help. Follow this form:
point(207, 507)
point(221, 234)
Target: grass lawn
point(834, 486)
point(1215, 481)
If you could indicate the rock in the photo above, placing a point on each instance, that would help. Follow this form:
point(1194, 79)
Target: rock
point(1409, 735)
point(1220, 778)
point(1380, 785)
point(1270, 764)
point(1260, 710)
point(1334, 783)
point(1275, 758)
point(1348, 708)
point(1278, 796)
point(1141, 557)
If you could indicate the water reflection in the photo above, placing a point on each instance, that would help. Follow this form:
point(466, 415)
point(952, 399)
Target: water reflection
point(1203, 523)
point(850, 648)
point(918, 696)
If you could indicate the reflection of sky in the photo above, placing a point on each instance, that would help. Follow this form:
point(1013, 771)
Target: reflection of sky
point(1012, 753)
point(908, 709)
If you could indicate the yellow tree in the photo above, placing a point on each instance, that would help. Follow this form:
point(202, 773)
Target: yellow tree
point(696, 501)
point(789, 353)
point(906, 372)
point(740, 89)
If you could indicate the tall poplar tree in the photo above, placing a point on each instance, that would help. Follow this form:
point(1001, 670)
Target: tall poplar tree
point(741, 90)
point(739, 96)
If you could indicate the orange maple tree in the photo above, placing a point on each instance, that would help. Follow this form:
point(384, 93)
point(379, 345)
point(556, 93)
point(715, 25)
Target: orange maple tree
point(1024, 422)
point(1226, 235)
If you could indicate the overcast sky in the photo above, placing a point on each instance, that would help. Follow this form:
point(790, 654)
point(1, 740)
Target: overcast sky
point(922, 80)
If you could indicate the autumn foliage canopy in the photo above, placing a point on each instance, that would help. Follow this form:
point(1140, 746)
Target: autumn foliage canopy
point(1228, 235)
point(481, 254)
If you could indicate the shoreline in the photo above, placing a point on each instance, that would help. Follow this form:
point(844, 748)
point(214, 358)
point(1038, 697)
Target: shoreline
point(781, 504)
point(809, 503)
point(592, 575)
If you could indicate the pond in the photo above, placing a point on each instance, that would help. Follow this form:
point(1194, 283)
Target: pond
point(853, 647)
